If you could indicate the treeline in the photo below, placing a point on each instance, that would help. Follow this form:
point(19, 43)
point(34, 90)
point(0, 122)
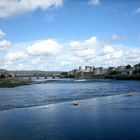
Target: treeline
point(5, 75)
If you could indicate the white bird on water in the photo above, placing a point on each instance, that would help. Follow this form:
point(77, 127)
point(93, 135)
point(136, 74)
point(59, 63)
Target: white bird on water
point(130, 94)
point(75, 102)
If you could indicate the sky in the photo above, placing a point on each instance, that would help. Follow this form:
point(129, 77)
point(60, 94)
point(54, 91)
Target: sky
point(61, 35)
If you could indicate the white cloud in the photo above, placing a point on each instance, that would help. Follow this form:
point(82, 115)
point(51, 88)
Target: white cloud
point(9, 8)
point(118, 54)
point(2, 33)
point(107, 49)
point(44, 48)
point(14, 56)
point(110, 52)
point(91, 41)
point(115, 37)
point(94, 2)
point(136, 11)
point(85, 53)
point(76, 45)
point(92, 51)
point(85, 49)
point(66, 63)
point(51, 55)
point(135, 53)
point(36, 60)
point(5, 43)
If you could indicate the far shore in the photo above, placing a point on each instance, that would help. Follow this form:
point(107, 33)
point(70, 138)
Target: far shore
point(113, 77)
point(13, 82)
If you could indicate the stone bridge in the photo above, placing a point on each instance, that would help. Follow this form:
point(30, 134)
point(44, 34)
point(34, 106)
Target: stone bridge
point(37, 76)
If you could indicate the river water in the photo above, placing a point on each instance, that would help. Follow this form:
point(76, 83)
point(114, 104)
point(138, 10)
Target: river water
point(45, 111)
point(61, 90)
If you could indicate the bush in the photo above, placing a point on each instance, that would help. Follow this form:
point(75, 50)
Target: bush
point(128, 67)
point(113, 72)
point(2, 76)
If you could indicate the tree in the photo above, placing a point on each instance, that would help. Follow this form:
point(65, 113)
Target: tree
point(138, 71)
point(2, 76)
point(65, 74)
point(128, 66)
point(113, 72)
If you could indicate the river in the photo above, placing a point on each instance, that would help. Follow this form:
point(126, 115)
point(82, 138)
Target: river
point(45, 111)
point(61, 90)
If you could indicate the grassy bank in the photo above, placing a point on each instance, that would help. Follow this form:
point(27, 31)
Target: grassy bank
point(133, 77)
point(10, 82)
point(115, 77)
point(92, 77)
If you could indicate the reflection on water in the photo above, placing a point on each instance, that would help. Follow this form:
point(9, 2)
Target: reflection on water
point(61, 90)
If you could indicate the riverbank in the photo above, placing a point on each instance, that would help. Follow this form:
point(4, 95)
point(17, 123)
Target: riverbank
point(92, 77)
point(13, 82)
point(114, 77)
point(105, 118)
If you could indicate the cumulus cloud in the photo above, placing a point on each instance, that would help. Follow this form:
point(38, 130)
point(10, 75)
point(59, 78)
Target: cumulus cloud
point(135, 53)
point(93, 51)
point(14, 60)
point(91, 41)
point(44, 48)
point(2, 33)
point(118, 54)
point(136, 11)
point(110, 52)
point(85, 53)
point(14, 56)
point(66, 63)
point(94, 2)
point(76, 45)
point(5, 43)
point(107, 49)
point(51, 55)
point(70, 61)
point(85, 49)
point(9, 8)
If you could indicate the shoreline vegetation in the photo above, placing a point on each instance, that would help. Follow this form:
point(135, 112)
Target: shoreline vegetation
point(113, 77)
point(14, 82)
point(8, 79)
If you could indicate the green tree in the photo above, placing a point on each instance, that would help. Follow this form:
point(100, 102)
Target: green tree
point(128, 66)
point(65, 74)
point(114, 72)
point(138, 71)
point(2, 76)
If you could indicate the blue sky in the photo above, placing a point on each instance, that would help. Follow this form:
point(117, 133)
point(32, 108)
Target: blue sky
point(64, 34)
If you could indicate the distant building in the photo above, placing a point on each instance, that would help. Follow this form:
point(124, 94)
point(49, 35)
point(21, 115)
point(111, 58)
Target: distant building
point(96, 71)
point(80, 68)
point(92, 70)
point(127, 72)
point(110, 69)
point(12, 75)
point(136, 69)
point(120, 68)
point(88, 69)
